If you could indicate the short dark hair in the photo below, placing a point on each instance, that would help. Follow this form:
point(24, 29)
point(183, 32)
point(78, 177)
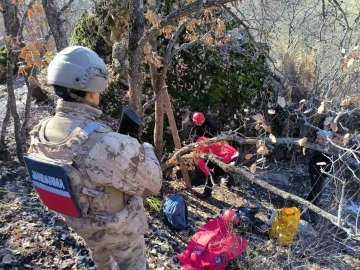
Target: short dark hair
point(64, 93)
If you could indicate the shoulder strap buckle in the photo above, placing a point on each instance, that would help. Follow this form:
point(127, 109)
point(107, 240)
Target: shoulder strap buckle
point(85, 133)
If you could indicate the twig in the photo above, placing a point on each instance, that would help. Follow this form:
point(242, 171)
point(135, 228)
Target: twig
point(345, 149)
point(170, 46)
point(341, 114)
point(67, 5)
point(310, 125)
point(341, 200)
point(152, 101)
point(177, 14)
point(23, 20)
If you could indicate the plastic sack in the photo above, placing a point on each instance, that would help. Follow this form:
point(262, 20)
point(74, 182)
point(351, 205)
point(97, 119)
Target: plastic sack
point(285, 225)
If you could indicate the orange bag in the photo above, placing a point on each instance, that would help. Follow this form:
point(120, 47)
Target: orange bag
point(285, 225)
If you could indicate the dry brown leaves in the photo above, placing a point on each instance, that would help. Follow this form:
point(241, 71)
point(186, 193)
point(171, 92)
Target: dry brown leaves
point(153, 18)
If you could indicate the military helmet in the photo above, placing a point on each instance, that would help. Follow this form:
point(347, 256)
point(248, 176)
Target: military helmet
point(198, 118)
point(79, 68)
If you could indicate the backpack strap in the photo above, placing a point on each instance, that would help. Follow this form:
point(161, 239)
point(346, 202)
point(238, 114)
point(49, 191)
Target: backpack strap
point(35, 132)
point(81, 135)
point(85, 133)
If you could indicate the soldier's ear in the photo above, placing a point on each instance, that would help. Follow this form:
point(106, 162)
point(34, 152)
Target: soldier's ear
point(90, 94)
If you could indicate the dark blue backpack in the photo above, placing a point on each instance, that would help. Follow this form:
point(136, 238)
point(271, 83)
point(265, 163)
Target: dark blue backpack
point(175, 212)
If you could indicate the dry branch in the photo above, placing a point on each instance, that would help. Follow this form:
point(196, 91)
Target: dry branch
point(177, 14)
point(349, 229)
point(242, 173)
point(182, 154)
point(288, 141)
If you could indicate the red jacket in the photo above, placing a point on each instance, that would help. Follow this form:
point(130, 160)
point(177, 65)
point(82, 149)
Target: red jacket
point(223, 150)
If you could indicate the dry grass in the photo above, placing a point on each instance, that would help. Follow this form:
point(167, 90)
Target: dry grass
point(298, 65)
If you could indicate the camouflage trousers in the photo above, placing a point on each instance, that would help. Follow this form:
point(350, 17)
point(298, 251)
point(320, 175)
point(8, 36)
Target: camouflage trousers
point(117, 243)
point(120, 256)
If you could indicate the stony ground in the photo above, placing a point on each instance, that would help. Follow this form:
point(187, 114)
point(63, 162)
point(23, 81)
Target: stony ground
point(31, 237)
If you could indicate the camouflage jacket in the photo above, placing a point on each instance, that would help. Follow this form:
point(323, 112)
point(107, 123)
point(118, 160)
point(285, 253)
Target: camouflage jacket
point(116, 164)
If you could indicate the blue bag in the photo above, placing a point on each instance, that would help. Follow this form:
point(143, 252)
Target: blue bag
point(175, 212)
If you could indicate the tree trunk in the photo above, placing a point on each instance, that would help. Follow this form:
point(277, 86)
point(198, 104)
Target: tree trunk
point(5, 122)
point(157, 82)
point(11, 59)
point(136, 54)
point(30, 82)
point(12, 26)
point(56, 24)
point(159, 128)
point(175, 134)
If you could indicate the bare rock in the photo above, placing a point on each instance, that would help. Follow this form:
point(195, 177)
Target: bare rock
point(276, 178)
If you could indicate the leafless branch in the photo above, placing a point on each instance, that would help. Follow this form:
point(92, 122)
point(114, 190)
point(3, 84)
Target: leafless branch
point(23, 20)
point(171, 44)
point(182, 12)
point(241, 22)
point(66, 6)
point(191, 8)
point(238, 20)
point(341, 114)
point(342, 12)
point(186, 46)
point(254, 141)
point(350, 229)
point(153, 100)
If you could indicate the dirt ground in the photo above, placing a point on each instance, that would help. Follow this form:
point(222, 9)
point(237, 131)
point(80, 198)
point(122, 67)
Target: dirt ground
point(31, 237)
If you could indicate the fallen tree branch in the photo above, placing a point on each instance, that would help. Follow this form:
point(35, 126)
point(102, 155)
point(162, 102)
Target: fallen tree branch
point(248, 176)
point(350, 230)
point(293, 141)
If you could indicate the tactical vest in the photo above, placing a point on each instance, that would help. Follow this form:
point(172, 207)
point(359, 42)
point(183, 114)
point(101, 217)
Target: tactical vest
point(82, 198)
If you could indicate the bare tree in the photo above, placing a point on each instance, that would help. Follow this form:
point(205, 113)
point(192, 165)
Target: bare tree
point(5, 122)
point(135, 56)
point(12, 26)
point(15, 23)
point(311, 43)
point(55, 22)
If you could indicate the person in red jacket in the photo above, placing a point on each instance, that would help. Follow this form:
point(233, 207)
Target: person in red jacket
point(204, 128)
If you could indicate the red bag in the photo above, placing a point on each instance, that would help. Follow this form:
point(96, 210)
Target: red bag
point(213, 246)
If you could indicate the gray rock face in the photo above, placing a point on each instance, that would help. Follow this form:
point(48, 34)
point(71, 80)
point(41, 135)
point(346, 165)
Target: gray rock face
point(306, 229)
point(20, 95)
point(276, 178)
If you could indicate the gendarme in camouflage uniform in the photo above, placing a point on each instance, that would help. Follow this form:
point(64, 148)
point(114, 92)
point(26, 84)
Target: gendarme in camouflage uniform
point(115, 171)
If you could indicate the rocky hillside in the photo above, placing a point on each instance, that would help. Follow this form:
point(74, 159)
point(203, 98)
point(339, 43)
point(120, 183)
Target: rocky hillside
point(31, 237)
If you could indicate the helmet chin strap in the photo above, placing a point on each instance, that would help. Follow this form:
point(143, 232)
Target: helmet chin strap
point(80, 99)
